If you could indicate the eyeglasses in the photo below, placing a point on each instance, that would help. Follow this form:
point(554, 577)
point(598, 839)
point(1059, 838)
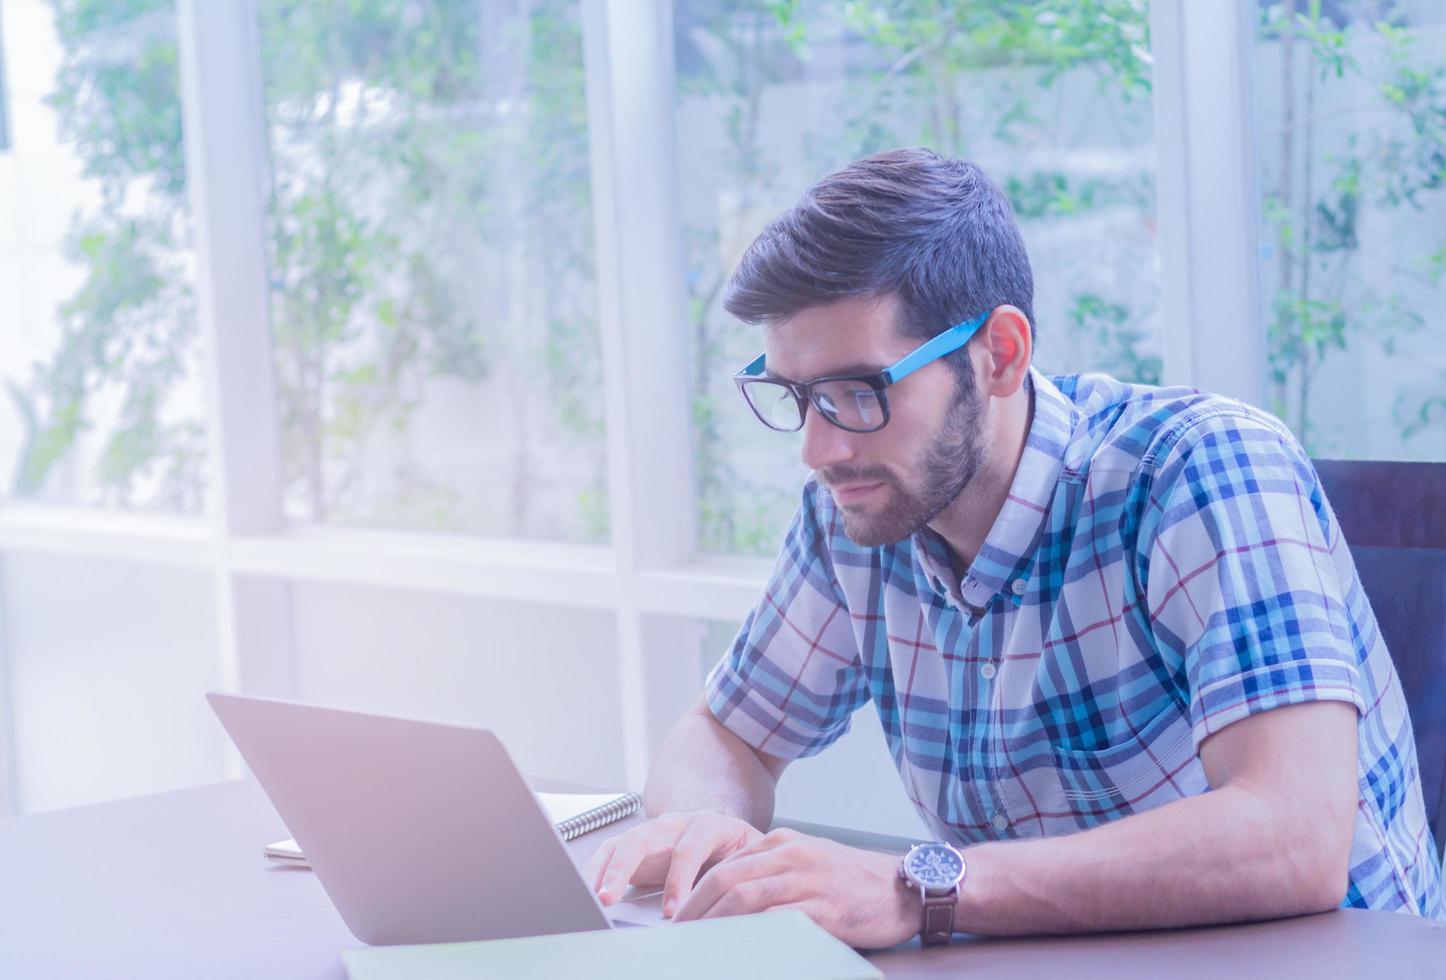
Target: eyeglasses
point(857, 403)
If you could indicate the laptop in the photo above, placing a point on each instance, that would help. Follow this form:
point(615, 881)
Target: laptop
point(420, 832)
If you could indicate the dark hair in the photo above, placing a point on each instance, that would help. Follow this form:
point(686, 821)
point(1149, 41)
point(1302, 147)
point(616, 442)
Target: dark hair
point(933, 230)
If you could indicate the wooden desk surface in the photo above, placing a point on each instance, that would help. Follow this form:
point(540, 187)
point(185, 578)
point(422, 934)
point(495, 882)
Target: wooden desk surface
point(174, 886)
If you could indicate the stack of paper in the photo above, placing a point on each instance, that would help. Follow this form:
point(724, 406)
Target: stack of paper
point(783, 943)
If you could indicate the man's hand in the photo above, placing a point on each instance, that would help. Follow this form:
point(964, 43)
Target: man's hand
point(670, 849)
point(854, 894)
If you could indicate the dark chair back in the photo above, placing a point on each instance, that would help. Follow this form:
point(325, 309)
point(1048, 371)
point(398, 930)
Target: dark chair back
point(1393, 516)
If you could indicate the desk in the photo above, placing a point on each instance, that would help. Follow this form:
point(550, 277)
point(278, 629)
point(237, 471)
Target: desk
point(175, 886)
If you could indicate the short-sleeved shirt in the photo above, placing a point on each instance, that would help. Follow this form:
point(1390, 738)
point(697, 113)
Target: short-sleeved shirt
point(1165, 564)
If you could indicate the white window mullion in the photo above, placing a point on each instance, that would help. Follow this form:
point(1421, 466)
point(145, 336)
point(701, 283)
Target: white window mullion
point(1209, 203)
point(227, 177)
point(628, 49)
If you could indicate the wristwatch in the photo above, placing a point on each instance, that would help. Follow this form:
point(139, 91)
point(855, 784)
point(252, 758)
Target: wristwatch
point(937, 870)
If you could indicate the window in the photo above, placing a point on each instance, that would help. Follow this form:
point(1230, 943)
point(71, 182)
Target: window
point(433, 303)
point(1351, 130)
point(1052, 100)
point(98, 340)
point(432, 168)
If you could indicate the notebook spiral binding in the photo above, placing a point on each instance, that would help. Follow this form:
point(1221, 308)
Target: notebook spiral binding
point(599, 816)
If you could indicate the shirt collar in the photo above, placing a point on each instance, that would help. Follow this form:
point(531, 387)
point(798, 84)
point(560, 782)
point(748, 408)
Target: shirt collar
point(1003, 562)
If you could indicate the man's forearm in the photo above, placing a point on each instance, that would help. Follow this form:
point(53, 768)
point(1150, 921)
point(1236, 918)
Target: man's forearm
point(702, 766)
point(1218, 857)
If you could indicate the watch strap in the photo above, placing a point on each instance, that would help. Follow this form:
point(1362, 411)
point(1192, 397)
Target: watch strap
point(939, 917)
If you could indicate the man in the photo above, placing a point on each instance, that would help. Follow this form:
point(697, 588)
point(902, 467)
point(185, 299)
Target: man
point(1118, 646)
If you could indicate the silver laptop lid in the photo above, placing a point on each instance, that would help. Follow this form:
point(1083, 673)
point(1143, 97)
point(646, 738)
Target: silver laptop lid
point(420, 832)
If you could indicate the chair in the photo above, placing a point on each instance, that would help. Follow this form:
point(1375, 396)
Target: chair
point(1393, 516)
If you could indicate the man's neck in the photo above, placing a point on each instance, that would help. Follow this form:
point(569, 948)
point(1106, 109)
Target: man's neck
point(965, 523)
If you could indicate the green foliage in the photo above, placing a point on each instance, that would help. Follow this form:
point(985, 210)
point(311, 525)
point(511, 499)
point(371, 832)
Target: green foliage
point(1429, 415)
point(1324, 305)
point(914, 72)
point(128, 332)
point(428, 223)
point(429, 220)
point(121, 111)
point(1117, 338)
point(1052, 194)
point(938, 43)
point(400, 233)
point(1329, 46)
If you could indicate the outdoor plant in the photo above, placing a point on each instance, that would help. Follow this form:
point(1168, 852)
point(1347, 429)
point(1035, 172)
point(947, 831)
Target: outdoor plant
point(430, 229)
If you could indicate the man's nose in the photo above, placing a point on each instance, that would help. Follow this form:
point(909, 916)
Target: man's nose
point(824, 444)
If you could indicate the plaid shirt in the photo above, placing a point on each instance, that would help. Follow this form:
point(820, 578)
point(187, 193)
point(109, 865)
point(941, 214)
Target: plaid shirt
point(1165, 564)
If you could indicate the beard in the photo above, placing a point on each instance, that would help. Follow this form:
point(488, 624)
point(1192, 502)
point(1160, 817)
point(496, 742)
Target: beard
point(946, 466)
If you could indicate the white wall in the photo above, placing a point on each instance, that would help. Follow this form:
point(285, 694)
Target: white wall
point(544, 679)
point(852, 783)
point(108, 665)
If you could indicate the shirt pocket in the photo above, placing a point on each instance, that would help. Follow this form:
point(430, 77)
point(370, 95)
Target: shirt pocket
point(1156, 766)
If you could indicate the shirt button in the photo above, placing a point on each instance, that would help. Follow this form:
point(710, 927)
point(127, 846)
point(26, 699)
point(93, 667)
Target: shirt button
point(1018, 586)
point(1001, 822)
point(989, 670)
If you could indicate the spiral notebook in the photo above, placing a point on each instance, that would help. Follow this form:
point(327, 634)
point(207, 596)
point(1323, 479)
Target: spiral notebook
point(573, 814)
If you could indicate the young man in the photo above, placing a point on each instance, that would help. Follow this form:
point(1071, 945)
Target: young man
point(1114, 636)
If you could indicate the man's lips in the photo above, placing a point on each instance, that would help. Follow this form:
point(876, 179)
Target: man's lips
point(851, 492)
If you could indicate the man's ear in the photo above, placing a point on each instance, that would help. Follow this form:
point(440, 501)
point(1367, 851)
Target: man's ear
point(1005, 350)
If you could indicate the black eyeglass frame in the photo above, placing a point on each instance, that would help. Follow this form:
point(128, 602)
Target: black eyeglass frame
point(931, 350)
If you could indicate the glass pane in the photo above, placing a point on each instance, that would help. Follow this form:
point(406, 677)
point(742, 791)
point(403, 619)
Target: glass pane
point(109, 703)
point(1351, 119)
point(1052, 99)
point(431, 245)
point(99, 348)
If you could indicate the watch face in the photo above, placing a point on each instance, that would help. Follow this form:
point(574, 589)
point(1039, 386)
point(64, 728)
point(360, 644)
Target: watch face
point(935, 865)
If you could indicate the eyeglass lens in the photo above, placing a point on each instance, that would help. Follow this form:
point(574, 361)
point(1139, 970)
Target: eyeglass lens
point(851, 404)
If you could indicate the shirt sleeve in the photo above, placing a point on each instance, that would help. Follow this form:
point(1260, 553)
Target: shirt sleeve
point(1243, 585)
point(792, 677)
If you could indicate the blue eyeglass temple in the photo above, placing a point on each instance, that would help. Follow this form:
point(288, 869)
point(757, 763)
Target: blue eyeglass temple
point(931, 350)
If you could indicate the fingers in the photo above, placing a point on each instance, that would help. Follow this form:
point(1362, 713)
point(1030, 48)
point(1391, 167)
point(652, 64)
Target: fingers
point(773, 839)
point(754, 895)
point(631, 850)
point(694, 848)
point(592, 869)
point(670, 850)
point(743, 883)
point(706, 839)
